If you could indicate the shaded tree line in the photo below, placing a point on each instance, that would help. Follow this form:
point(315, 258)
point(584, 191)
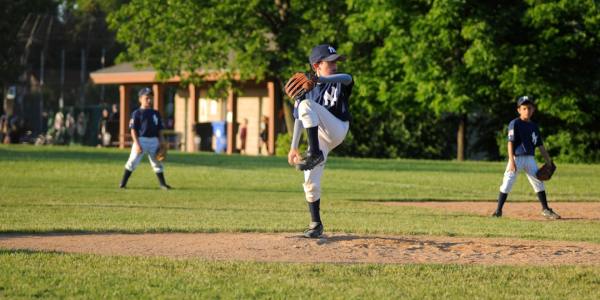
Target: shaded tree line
point(458, 66)
point(434, 78)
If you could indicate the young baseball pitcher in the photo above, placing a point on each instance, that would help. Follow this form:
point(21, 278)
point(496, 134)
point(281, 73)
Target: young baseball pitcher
point(145, 125)
point(321, 107)
point(523, 137)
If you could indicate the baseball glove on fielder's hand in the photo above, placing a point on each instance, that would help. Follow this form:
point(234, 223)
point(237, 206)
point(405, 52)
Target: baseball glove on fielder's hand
point(300, 84)
point(545, 172)
point(161, 153)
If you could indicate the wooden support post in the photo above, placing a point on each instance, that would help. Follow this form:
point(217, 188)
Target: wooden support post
point(231, 121)
point(271, 115)
point(192, 118)
point(124, 112)
point(159, 104)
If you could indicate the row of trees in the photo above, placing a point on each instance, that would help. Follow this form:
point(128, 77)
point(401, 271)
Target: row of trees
point(469, 60)
point(434, 78)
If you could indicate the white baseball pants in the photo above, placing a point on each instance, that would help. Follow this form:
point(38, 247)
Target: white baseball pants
point(332, 132)
point(150, 147)
point(528, 164)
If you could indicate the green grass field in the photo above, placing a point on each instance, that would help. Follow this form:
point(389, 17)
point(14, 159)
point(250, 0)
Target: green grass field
point(57, 189)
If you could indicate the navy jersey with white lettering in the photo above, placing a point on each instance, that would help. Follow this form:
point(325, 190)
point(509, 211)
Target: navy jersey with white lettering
point(146, 122)
point(333, 96)
point(525, 136)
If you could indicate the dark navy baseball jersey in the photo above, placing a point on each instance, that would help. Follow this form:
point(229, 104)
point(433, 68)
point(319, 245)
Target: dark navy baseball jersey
point(146, 122)
point(333, 96)
point(525, 136)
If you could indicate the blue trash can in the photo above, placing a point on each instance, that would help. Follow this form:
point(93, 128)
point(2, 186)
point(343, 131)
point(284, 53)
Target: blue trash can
point(220, 133)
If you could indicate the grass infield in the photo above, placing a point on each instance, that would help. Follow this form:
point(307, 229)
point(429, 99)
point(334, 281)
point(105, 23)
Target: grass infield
point(49, 275)
point(58, 189)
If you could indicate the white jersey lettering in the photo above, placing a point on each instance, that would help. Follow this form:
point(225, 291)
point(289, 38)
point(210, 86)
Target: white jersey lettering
point(330, 99)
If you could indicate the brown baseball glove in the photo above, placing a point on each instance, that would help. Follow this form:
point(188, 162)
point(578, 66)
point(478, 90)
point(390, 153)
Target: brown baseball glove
point(300, 84)
point(545, 172)
point(161, 153)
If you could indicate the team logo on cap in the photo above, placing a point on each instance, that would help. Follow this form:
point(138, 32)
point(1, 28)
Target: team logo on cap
point(331, 50)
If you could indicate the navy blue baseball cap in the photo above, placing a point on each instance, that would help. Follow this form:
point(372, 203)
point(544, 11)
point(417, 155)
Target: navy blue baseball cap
point(145, 91)
point(524, 100)
point(324, 52)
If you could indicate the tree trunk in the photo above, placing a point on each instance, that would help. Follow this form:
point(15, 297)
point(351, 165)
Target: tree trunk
point(286, 105)
point(288, 116)
point(460, 138)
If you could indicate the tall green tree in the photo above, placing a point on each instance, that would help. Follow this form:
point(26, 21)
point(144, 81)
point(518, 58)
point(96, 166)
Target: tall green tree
point(460, 59)
point(556, 59)
point(453, 56)
point(254, 39)
point(431, 61)
point(388, 121)
point(422, 68)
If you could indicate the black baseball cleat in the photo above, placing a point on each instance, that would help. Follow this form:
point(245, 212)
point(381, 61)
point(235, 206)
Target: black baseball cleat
point(497, 214)
point(166, 187)
point(121, 186)
point(315, 230)
point(310, 160)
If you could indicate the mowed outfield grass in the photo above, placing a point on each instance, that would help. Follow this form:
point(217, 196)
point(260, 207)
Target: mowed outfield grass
point(58, 189)
point(51, 275)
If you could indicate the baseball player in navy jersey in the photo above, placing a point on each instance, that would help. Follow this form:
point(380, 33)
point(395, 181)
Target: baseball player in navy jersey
point(324, 113)
point(523, 137)
point(145, 126)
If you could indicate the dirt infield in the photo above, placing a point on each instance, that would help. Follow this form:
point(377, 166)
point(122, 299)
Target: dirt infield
point(333, 248)
point(517, 210)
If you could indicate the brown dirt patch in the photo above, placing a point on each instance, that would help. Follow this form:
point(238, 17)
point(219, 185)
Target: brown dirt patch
point(333, 248)
point(517, 210)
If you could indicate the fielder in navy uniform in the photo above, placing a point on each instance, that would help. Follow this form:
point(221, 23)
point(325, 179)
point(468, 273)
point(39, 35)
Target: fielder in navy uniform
point(324, 113)
point(145, 126)
point(523, 137)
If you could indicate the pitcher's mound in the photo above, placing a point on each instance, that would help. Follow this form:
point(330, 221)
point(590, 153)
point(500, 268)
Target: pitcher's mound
point(332, 248)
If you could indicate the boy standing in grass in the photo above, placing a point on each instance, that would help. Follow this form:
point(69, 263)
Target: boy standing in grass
point(145, 126)
point(523, 137)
